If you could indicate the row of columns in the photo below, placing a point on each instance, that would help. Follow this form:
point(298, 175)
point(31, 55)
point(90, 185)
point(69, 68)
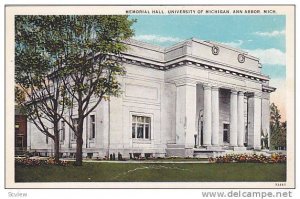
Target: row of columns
point(186, 123)
point(211, 117)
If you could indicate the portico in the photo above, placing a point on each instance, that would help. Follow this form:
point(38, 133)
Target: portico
point(187, 117)
point(230, 99)
point(211, 119)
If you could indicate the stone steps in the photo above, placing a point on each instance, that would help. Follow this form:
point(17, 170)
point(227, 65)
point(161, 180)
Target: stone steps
point(175, 146)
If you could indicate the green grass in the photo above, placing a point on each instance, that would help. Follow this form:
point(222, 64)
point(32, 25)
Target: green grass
point(156, 172)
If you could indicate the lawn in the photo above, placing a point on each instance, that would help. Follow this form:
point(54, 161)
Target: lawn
point(153, 172)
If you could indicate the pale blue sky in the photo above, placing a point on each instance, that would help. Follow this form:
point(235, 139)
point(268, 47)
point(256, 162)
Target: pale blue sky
point(261, 36)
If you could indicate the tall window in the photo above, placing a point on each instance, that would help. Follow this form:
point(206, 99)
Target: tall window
point(47, 139)
point(92, 127)
point(75, 123)
point(141, 127)
point(62, 131)
point(226, 133)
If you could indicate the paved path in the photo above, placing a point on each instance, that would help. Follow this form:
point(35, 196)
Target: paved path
point(133, 161)
point(148, 162)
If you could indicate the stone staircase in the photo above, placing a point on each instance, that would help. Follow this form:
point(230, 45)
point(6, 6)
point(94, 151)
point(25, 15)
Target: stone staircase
point(177, 150)
point(207, 152)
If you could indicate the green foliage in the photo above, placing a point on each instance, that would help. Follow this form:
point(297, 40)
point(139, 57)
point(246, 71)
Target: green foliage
point(37, 92)
point(62, 60)
point(71, 45)
point(34, 162)
point(277, 129)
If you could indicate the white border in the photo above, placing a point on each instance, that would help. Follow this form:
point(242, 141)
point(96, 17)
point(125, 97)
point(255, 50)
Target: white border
point(40, 193)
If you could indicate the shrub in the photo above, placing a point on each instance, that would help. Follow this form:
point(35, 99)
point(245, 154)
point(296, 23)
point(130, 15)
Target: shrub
point(39, 162)
point(274, 158)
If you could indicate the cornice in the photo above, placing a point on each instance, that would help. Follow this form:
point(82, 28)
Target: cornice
point(268, 89)
point(144, 45)
point(185, 62)
point(195, 61)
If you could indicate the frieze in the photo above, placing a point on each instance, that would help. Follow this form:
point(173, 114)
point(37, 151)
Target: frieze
point(182, 63)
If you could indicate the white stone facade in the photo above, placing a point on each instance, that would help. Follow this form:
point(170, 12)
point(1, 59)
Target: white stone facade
point(194, 96)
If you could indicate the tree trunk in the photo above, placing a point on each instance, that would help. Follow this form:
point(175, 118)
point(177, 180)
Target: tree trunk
point(79, 143)
point(56, 149)
point(79, 140)
point(56, 142)
point(56, 134)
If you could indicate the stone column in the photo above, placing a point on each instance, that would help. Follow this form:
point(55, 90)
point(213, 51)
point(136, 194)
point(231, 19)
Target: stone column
point(241, 119)
point(207, 117)
point(185, 114)
point(215, 115)
point(257, 121)
point(265, 115)
point(233, 118)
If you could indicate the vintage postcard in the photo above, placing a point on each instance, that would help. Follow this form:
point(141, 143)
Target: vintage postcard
point(150, 96)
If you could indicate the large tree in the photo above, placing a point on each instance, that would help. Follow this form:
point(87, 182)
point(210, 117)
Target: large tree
point(277, 128)
point(92, 64)
point(39, 91)
point(87, 50)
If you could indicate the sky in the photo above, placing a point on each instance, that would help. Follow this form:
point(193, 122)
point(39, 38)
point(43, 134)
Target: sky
point(262, 36)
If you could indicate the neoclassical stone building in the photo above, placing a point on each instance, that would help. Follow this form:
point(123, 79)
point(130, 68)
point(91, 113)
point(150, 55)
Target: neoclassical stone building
point(196, 97)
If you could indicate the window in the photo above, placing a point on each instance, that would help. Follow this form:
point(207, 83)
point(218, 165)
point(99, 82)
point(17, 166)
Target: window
point(19, 141)
point(75, 123)
point(62, 131)
point(47, 139)
point(17, 127)
point(141, 127)
point(226, 133)
point(92, 127)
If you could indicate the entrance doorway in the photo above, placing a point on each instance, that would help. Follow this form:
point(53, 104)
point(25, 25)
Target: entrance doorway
point(226, 133)
point(201, 134)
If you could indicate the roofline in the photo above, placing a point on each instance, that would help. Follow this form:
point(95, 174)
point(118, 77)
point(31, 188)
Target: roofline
point(145, 45)
point(160, 49)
